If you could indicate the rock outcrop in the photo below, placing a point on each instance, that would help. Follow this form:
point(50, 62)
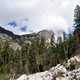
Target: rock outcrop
point(56, 73)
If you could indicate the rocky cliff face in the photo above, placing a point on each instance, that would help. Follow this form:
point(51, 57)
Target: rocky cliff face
point(47, 35)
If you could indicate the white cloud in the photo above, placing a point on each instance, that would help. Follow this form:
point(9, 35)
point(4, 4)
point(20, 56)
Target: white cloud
point(41, 14)
point(26, 3)
point(66, 3)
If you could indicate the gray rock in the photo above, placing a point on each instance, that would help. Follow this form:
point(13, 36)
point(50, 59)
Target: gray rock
point(56, 73)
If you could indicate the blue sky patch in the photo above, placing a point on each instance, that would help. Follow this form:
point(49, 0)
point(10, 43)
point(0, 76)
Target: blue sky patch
point(12, 23)
point(23, 29)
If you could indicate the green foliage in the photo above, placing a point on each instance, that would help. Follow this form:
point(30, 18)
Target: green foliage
point(35, 56)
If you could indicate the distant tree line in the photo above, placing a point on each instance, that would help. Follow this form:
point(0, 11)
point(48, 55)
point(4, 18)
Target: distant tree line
point(34, 57)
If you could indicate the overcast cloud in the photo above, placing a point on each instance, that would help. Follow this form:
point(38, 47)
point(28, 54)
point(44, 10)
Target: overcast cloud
point(35, 15)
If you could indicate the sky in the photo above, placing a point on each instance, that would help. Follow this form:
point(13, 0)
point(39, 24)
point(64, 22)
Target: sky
point(27, 16)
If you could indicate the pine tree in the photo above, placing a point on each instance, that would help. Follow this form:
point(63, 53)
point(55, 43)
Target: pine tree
point(77, 17)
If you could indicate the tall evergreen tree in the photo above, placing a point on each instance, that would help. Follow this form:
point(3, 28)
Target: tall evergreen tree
point(77, 17)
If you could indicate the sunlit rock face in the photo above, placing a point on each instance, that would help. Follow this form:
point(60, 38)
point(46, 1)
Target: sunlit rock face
point(74, 62)
point(46, 35)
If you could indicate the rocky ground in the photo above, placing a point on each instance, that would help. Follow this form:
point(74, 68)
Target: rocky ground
point(57, 73)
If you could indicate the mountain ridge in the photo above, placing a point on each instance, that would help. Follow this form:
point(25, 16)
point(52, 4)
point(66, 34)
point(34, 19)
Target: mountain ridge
point(21, 39)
